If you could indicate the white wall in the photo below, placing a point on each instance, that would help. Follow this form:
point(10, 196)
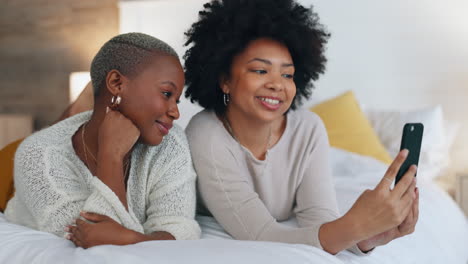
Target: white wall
point(393, 54)
point(400, 54)
point(166, 20)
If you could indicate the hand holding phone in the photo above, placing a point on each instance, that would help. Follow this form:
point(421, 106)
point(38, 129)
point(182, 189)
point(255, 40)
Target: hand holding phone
point(411, 140)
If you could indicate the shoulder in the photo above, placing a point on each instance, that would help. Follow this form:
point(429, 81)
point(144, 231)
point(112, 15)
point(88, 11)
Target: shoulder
point(203, 121)
point(209, 140)
point(205, 129)
point(55, 136)
point(305, 122)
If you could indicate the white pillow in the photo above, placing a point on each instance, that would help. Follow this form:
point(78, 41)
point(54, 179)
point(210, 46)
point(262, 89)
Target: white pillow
point(437, 139)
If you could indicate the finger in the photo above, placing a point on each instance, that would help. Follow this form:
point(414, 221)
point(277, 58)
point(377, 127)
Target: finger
point(407, 199)
point(93, 217)
point(405, 226)
point(408, 226)
point(78, 242)
point(410, 190)
point(70, 229)
point(409, 217)
point(406, 181)
point(73, 239)
point(392, 170)
point(79, 223)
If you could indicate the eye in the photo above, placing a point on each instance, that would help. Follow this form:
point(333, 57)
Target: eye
point(177, 101)
point(259, 71)
point(288, 76)
point(167, 94)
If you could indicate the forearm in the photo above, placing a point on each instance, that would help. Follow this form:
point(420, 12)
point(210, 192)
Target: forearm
point(110, 172)
point(340, 234)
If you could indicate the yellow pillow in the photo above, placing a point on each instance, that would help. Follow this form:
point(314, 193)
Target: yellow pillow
point(7, 155)
point(349, 129)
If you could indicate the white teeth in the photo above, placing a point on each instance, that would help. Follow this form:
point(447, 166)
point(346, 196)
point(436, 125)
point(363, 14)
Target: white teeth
point(270, 101)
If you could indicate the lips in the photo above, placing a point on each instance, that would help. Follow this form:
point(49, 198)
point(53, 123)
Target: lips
point(164, 127)
point(270, 102)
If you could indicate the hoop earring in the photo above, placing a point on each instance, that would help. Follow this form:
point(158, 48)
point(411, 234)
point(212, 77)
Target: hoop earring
point(226, 98)
point(115, 102)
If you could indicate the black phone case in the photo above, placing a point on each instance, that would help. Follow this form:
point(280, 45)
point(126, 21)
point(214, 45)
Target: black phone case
point(411, 140)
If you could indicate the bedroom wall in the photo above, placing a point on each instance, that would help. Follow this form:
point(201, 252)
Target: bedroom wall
point(396, 54)
point(400, 54)
point(41, 43)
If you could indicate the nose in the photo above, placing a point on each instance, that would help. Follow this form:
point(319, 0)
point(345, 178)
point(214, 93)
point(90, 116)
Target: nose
point(174, 111)
point(275, 83)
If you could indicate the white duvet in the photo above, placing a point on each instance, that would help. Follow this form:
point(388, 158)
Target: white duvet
point(441, 234)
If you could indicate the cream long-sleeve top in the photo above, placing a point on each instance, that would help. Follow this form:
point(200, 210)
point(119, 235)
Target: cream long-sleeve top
point(53, 185)
point(248, 196)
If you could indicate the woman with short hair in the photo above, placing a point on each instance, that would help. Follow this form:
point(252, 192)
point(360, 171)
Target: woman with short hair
point(119, 174)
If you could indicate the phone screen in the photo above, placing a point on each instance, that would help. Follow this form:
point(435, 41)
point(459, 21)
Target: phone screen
point(411, 140)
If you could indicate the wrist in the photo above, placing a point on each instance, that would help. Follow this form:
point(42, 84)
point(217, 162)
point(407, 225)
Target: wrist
point(338, 235)
point(356, 231)
point(358, 226)
point(105, 155)
point(134, 237)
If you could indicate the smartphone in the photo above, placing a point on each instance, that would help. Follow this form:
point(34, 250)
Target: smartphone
point(411, 140)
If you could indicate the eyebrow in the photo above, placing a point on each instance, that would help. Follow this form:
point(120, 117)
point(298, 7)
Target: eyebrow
point(269, 62)
point(170, 83)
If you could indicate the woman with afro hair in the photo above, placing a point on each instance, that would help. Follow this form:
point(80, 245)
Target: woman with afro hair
point(259, 160)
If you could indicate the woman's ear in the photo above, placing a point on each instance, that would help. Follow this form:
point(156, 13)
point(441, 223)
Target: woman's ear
point(224, 83)
point(114, 81)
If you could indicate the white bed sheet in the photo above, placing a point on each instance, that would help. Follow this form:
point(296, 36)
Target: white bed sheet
point(441, 235)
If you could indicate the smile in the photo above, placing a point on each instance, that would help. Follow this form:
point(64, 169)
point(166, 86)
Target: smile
point(270, 103)
point(164, 127)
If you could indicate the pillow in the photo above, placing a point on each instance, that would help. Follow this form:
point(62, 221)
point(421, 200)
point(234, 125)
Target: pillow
point(7, 155)
point(348, 127)
point(438, 135)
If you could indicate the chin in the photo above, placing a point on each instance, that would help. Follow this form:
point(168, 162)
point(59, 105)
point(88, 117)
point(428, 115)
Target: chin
point(152, 141)
point(270, 117)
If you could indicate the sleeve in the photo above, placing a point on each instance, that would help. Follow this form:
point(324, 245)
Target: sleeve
point(172, 200)
point(317, 206)
point(231, 199)
point(54, 191)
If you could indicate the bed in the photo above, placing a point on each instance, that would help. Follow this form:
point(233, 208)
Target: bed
point(441, 234)
point(414, 68)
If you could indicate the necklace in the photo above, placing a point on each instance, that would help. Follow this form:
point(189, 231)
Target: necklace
point(85, 147)
point(86, 150)
point(228, 125)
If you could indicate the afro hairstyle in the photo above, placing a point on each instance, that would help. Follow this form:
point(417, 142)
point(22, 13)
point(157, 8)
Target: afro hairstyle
point(225, 29)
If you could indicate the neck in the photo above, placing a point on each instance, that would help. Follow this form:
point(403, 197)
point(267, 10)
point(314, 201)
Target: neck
point(256, 136)
point(91, 131)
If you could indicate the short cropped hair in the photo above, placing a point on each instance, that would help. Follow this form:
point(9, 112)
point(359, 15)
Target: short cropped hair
point(126, 53)
point(225, 29)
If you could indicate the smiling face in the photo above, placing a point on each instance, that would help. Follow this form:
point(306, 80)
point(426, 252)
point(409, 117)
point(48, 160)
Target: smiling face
point(261, 84)
point(150, 99)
